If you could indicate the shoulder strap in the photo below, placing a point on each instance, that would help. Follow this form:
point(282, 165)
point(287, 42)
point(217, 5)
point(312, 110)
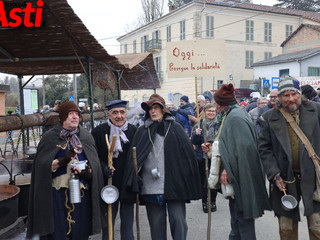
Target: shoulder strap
point(299, 132)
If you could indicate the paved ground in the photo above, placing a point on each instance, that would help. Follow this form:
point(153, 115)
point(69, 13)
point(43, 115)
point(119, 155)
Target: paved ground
point(266, 227)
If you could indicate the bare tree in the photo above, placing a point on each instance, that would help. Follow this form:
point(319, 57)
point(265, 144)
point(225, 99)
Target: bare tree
point(152, 10)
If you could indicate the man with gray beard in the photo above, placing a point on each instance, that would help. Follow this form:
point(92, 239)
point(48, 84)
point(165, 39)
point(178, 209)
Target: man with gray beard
point(286, 161)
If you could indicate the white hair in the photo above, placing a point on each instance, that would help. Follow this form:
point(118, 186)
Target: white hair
point(201, 97)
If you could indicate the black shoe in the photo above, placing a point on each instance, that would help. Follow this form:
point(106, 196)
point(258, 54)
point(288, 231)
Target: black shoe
point(213, 207)
point(205, 207)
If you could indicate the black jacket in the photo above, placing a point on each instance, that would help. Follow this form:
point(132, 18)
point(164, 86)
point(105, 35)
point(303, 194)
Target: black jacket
point(182, 178)
point(98, 134)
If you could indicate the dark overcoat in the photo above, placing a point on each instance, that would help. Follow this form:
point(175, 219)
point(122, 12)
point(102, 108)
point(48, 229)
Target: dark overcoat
point(118, 163)
point(40, 213)
point(275, 153)
point(240, 156)
point(182, 177)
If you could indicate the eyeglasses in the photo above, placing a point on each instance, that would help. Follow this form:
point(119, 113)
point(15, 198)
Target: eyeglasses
point(273, 96)
point(263, 103)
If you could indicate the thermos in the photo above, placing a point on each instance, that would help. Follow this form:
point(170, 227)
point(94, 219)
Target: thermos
point(74, 189)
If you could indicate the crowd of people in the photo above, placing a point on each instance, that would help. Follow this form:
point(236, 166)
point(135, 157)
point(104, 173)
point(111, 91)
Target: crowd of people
point(243, 146)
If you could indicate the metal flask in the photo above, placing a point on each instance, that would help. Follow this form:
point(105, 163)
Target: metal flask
point(74, 189)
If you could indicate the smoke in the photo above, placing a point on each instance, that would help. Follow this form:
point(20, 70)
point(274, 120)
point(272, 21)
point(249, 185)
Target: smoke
point(134, 114)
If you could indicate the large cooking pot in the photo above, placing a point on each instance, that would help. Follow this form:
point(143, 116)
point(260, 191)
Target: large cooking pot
point(23, 182)
point(9, 201)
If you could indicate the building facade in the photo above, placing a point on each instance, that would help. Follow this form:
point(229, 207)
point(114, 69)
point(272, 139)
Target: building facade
point(249, 33)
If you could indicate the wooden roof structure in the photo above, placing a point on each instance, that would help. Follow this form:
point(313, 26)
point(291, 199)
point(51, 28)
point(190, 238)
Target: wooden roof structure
point(63, 45)
point(60, 46)
point(138, 68)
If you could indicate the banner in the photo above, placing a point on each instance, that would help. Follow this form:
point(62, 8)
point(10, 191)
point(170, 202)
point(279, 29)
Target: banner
point(200, 58)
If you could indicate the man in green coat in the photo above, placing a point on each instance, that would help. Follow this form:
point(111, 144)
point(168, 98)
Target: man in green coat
point(241, 164)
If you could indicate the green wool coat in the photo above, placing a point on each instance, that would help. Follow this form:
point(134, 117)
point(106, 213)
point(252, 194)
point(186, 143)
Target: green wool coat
point(40, 213)
point(240, 157)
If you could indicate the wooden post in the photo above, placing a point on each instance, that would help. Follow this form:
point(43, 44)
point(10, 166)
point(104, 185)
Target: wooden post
point(134, 152)
point(110, 163)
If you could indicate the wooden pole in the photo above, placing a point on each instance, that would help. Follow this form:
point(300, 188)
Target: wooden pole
point(196, 89)
point(207, 175)
point(110, 163)
point(134, 152)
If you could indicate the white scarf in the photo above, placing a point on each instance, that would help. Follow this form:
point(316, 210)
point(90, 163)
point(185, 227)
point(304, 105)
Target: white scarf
point(119, 131)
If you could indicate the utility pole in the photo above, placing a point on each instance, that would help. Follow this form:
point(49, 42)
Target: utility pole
point(43, 92)
point(75, 89)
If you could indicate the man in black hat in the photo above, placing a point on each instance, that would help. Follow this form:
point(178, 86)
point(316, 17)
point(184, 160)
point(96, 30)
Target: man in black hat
point(116, 124)
point(169, 174)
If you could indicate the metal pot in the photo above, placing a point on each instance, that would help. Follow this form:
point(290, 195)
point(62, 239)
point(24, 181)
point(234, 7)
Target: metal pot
point(23, 182)
point(288, 202)
point(109, 194)
point(9, 201)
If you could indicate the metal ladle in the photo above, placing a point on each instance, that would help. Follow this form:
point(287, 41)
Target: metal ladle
point(288, 202)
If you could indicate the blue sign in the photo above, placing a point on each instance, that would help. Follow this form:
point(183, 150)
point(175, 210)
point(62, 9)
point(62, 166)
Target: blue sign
point(266, 83)
point(275, 82)
point(71, 98)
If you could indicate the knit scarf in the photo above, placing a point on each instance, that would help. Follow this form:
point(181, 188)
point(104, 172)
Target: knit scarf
point(121, 136)
point(73, 138)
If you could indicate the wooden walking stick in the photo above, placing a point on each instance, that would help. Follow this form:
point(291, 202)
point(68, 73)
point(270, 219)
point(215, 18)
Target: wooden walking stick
point(207, 175)
point(134, 153)
point(110, 163)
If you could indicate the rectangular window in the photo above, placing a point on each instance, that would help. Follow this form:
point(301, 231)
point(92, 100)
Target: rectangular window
point(169, 33)
point(183, 30)
point(209, 26)
point(289, 30)
point(313, 71)
point(267, 55)
point(134, 46)
point(157, 64)
point(125, 48)
point(284, 73)
point(267, 32)
point(156, 35)
point(141, 45)
point(249, 58)
point(144, 39)
point(249, 30)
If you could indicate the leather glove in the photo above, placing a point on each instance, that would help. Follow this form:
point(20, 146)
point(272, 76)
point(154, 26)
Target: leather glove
point(107, 172)
point(85, 174)
point(63, 162)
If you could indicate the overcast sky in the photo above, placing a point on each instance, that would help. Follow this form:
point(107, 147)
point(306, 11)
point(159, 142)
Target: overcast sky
point(109, 19)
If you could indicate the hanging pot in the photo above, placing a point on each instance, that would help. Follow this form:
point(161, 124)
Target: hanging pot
point(288, 202)
point(109, 194)
point(9, 202)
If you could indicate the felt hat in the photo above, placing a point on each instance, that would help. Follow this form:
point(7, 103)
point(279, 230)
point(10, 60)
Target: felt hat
point(65, 108)
point(154, 99)
point(225, 95)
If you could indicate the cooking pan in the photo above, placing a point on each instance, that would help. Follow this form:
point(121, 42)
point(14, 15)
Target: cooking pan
point(288, 202)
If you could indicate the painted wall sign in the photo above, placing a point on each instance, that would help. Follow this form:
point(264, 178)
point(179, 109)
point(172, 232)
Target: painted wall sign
point(201, 58)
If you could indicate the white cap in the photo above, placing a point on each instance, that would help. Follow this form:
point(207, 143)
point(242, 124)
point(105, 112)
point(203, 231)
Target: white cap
point(255, 95)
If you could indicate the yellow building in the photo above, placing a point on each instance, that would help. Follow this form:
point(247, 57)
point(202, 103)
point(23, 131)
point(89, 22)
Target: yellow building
point(241, 33)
